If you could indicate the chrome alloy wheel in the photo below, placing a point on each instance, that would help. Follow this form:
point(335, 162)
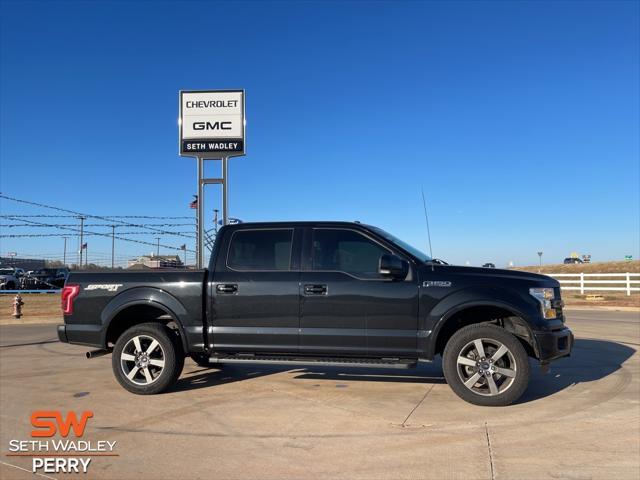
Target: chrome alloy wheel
point(486, 367)
point(142, 360)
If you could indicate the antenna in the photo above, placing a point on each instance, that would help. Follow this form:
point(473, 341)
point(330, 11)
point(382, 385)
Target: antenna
point(426, 217)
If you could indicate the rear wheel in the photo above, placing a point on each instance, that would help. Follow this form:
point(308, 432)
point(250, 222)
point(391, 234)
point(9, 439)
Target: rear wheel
point(147, 359)
point(486, 365)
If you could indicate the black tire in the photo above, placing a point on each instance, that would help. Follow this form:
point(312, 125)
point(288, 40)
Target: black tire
point(170, 355)
point(488, 386)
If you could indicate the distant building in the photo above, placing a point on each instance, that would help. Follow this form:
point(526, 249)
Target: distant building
point(25, 263)
point(155, 261)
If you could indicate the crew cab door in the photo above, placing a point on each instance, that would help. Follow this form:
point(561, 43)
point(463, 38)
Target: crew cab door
point(347, 307)
point(255, 292)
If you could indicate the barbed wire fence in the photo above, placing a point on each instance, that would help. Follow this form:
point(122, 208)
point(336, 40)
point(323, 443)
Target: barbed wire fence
point(173, 235)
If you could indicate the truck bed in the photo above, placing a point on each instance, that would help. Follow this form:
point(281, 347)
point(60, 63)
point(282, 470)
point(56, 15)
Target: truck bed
point(177, 293)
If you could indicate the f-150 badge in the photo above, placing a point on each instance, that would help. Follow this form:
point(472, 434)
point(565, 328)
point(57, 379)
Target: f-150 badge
point(437, 283)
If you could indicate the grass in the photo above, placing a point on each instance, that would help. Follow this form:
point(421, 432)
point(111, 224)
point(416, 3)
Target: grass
point(37, 307)
point(596, 267)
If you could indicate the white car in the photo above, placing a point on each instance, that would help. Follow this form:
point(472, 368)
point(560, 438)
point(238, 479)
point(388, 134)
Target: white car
point(10, 278)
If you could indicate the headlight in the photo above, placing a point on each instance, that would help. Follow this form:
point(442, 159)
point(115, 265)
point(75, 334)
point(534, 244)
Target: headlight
point(544, 296)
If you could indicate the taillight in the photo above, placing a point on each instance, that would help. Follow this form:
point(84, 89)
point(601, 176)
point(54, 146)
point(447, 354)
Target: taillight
point(69, 293)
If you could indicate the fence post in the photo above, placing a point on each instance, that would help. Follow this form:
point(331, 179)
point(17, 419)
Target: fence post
point(581, 283)
point(628, 284)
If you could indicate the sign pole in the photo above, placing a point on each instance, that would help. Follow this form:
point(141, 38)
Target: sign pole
point(225, 183)
point(200, 221)
point(211, 126)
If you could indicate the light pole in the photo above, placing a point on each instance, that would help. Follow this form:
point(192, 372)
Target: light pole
point(540, 255)
point(64, 255)
point(215, 220)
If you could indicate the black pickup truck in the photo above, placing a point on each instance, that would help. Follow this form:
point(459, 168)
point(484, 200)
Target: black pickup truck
point(317, 293)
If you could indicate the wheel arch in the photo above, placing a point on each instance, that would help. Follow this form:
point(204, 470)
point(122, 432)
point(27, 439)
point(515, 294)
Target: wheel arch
point(141, 305)
point(503, 314)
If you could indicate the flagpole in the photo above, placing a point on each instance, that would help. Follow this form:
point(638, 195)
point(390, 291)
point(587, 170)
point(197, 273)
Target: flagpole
point(81, 239)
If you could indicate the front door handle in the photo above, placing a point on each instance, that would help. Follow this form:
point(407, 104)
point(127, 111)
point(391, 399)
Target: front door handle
point(315, 289)
point(227, 288)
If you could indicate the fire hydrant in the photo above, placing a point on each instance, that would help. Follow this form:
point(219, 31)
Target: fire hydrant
point(17, 306)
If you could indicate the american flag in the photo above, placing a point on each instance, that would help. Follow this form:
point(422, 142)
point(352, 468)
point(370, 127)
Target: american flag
point(194, 204)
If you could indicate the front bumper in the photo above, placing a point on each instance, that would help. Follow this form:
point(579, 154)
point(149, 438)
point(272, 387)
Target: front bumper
point(553, 345)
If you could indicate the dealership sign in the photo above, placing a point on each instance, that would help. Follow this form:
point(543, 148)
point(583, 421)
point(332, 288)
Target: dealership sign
point(212, 123)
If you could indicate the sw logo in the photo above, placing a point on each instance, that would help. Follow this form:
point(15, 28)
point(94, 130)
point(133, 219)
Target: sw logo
point(60, 455)
point(42, 420)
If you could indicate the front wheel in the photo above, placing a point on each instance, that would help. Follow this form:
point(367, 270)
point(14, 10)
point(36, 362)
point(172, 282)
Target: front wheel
point(147, 359)
point(486, 365)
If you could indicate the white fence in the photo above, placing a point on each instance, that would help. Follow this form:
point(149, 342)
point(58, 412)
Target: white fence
point(587, 282)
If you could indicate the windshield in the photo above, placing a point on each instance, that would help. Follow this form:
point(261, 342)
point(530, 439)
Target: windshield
point(6, 271)
point(402, 244)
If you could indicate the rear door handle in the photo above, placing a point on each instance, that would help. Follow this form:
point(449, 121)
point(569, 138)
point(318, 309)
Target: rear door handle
point(315, 289)
point(227, 288)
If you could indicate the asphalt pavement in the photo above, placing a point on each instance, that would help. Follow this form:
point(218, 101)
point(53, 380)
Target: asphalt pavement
point(580, 421)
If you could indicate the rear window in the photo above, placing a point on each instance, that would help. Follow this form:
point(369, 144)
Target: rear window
point(260, 250)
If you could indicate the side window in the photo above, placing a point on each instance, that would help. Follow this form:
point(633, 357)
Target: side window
point(260, 250)
point(346, 251)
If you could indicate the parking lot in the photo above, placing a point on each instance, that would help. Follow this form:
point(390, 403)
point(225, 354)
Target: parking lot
point(248, 421)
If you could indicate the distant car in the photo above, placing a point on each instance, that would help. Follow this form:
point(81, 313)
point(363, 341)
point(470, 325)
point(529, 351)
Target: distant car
point(9, 278)
point(489, 265)
point(572, 260)
point(45, 279)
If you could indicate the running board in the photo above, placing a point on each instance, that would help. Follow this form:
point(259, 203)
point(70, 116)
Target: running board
point(318, 361)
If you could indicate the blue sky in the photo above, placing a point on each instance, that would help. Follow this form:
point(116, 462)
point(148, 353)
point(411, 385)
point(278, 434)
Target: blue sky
point(520, 119)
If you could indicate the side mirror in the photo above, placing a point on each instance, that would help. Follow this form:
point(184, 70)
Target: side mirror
point(393, 266)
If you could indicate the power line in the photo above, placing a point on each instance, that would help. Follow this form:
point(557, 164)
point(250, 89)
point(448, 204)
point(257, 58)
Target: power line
point(97, 224)
point(42, 205)
point(77, 230)
point(35, 235)
point(105, 216)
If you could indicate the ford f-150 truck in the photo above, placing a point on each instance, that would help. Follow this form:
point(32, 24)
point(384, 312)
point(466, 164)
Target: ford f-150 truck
point(317, 293)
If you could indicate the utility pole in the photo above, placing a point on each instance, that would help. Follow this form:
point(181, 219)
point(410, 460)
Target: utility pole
point(158, 247)
point(81, 239)
point(64, 255)
point(215, 220)
point(113, 245)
